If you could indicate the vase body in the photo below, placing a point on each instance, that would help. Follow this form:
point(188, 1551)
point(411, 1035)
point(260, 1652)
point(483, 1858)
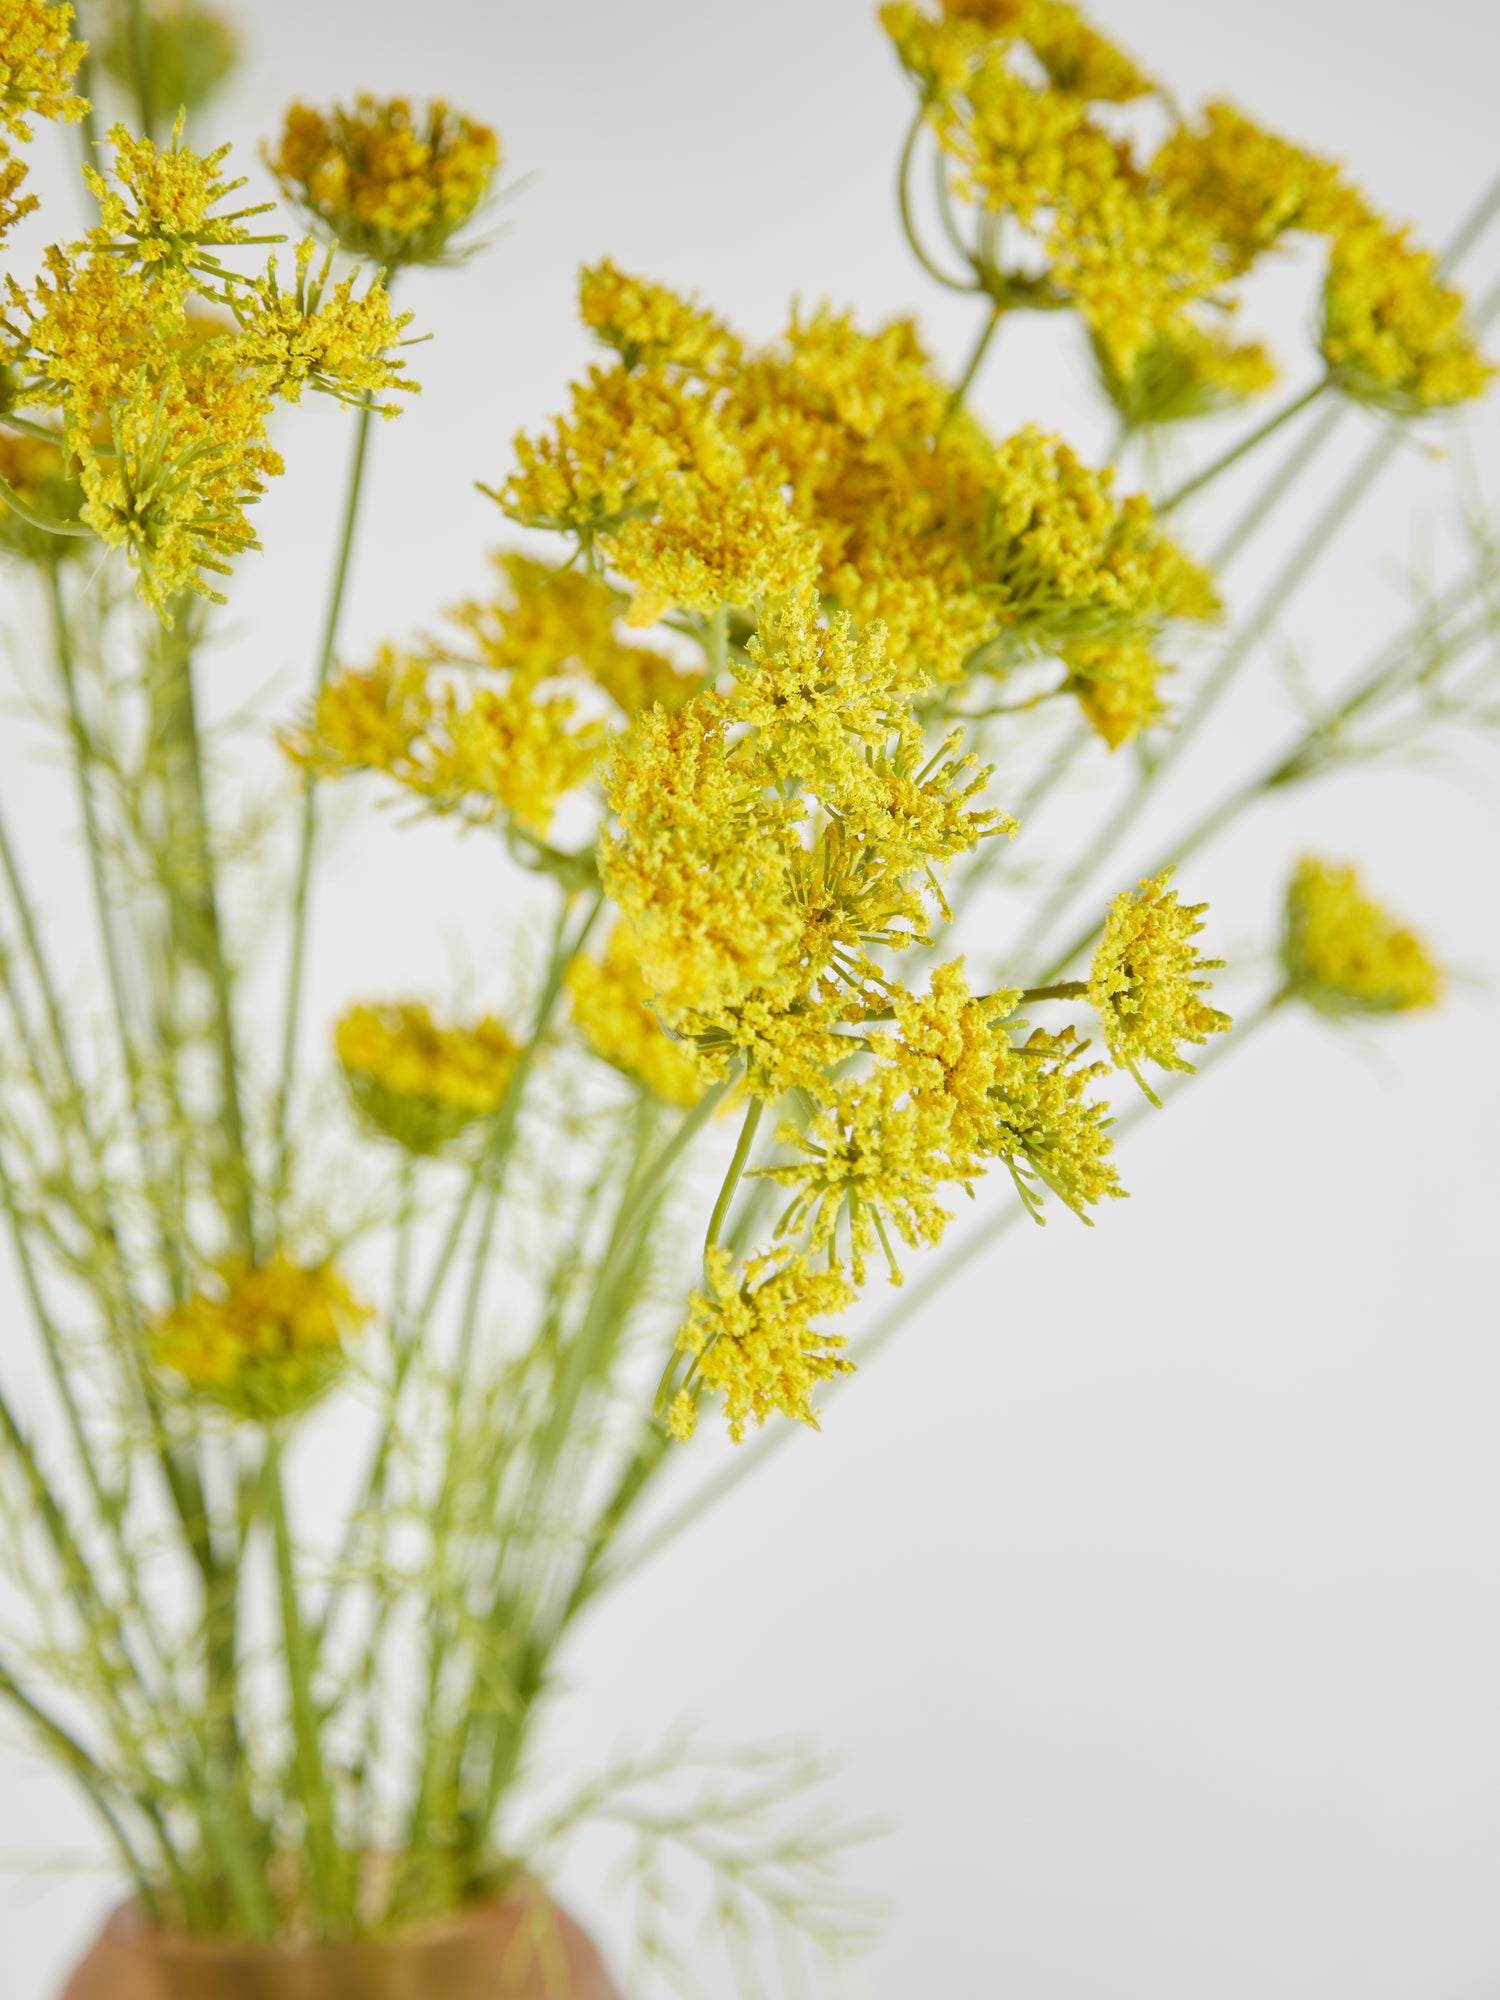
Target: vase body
point(520, 1948)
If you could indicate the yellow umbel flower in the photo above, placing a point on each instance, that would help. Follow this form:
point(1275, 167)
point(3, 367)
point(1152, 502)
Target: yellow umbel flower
point(647, 325)
point(384, 181)
point(161, 215)
point(322, 338)
point(1132, 262)
point(265, 1340)
point(1070, 564)
point(755, 1343)
point(1186, 371)
point(611, 1009)
point(706, 546)
point(1393, 334)
point(1145, 980)
point(1249, 187)
point(42, 475)
point(368, 720)
point(1344, 954)
point(1077, 58)
point(1117, 688)
point(189, 455)
point(420, 1084)
point(38, 61)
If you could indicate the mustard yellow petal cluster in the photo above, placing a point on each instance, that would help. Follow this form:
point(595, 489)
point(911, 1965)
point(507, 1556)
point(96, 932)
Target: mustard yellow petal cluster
point(1344, 954)
point(384, 180)
point(1186, 371)
point(1117, 687)
point(755, 1342)
point(1250, 186)
point(263, 1341)
point(612, 1011)
point(1393, 334)
point(38, 61)
point(649, 325)
point(418, 1083)
point(1145, 980)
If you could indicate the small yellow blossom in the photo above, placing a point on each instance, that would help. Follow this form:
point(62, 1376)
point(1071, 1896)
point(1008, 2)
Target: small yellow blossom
point(1132, 262)
point(1249, 187)
point(1077, 58)
point(611, 1007)
point(338, 343)
point(648, 325)
point(161, 213)
point(1344, 954)
point(38, 61)
point(384, 181)
point(367, 720)
point(265, 1340)
point(1394, 335)
point(1145, 980)
point(1117, 688)
point(755, 1343)
point(40, 473)
point(705, 547)
point(418, 1083)
point(1187, 371)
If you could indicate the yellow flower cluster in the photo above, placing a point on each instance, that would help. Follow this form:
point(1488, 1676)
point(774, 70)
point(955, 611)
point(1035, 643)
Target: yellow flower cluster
point(612, 1009)
point(1145, 246)
point(384, 181)
point(1393, 334)
point(833, 458)
point(38, 61)
point(420, 1084)
point(1344, 954)
point(755, 1343)
point(1117, 688)
point(1146, 979)
point(164, 405)
point(265, 1340)
point(647, 325)
point(494, 727)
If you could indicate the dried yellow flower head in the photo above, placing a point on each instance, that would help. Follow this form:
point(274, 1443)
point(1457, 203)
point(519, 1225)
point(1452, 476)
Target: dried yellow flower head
point(387, 182)
point(647, 325)
point(1117, 687)
point(1393, 334)
point(1146, 979)
point(1187, 371)
point(611, 1008)
point(38, 61)
point(264, 1340)
point(1249, 186)
point(755, 1341)
point(1344, 954)
point(321, 336)
point(160, 210)
point(420, 1084)
point(1077, 58)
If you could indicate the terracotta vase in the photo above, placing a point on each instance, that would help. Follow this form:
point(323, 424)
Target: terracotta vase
point(521, 1948)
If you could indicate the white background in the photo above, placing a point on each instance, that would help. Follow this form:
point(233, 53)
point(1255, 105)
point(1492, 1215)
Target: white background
point(1148, 1584)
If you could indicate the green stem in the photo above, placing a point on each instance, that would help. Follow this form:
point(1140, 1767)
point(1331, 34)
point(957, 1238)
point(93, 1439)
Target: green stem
point(908, 225)
point(27, 513)
point(140, 65)
point(316, 1796)
point(307, 836)
point(1238, 451)
point(732, 1176)
point(1060, 989)
point(980, 349)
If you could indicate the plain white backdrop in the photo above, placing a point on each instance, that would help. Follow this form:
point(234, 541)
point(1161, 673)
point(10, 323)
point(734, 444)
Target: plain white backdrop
point(1147, 1584)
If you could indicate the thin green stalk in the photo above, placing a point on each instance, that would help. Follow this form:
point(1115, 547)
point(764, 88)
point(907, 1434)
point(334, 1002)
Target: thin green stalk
point(316, 1795)
point(95, 1783)
point(20, 508)
point(732, 1176)
point(908, 225)
point(307, 836)
point(939, 1275)
point(1238, 451)
point(981, 347)
point(140, 65)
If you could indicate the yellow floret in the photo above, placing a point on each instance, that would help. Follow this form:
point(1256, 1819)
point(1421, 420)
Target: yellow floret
point(1344, 954)
point(755, 1342)
point(1077, 58)
point(1249, 186)
point(1117, 688)
point(1145, 980)
point(611, 1006)
point(38, 61)
point(265, 1340)
point(418, 1083)
point(1393, 334)
point(647, 324)
point(386, 181)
